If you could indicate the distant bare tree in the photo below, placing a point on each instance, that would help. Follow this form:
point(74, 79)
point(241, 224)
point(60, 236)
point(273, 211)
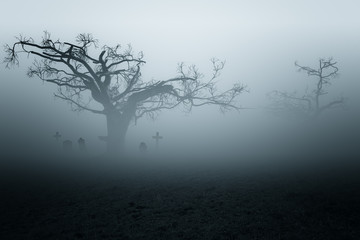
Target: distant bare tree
point(308, 104)
point(113, 79)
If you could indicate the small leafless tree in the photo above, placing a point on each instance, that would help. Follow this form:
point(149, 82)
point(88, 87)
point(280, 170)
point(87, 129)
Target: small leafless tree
point(112, 77)
point(308, 104)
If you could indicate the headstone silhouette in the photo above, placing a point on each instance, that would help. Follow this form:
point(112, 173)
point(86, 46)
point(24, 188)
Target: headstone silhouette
point(143, 147)
point(157, 137)
point(82, 145)
point(67, 145)
point(57, 136)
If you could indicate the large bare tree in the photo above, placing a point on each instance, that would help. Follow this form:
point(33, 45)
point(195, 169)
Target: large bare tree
point(112, 77)
point(309, 103)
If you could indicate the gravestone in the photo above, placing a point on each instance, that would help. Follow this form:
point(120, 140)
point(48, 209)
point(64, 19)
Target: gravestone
point(82, 145)
point(157, 137)
point(67, 145)
point(143, 147)
point(57, 136)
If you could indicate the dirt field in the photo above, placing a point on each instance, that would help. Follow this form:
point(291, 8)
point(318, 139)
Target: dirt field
point(179, 204)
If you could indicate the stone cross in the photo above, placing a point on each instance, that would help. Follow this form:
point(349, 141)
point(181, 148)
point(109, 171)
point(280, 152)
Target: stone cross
point(157, 138)
point(57, 136)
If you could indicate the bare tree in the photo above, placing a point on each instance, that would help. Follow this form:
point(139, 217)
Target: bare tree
point(112, 77)
point(309, 104)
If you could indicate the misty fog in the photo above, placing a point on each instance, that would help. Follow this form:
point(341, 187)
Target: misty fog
point(260, 42)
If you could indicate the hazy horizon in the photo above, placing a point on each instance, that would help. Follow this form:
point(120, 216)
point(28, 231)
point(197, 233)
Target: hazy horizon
point(260, 41)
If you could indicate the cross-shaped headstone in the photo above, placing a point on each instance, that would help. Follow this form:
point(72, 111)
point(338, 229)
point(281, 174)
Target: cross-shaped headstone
point(157, 138)
point(57, 136)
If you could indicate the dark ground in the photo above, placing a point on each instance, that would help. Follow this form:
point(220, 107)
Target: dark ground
point(226, 203)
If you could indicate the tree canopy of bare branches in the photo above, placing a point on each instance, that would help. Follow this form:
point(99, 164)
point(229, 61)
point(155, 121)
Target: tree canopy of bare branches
point(112, 77)
point(309, 103)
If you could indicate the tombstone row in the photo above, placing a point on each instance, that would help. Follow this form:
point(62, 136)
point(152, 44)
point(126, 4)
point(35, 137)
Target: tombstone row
point(67, 144)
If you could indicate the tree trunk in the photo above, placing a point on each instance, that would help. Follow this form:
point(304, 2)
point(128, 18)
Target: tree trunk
point(117, 126)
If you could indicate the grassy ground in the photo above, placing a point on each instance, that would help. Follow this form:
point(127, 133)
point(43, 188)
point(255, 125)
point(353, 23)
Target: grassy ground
point(179, 204)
